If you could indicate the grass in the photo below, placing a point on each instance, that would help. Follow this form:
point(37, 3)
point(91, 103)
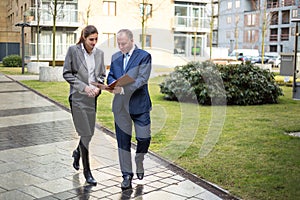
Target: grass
point(253, 157)
point(12, 70)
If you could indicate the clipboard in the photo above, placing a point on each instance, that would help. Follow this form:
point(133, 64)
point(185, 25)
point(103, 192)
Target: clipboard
point(122, 81)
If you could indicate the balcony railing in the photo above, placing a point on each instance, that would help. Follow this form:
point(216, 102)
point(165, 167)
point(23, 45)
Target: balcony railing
point(284, 37)
point(273, 4)
point(289, 2)
point(273, 38)
point(45, 51)
point(65, 17)
point(191, 23)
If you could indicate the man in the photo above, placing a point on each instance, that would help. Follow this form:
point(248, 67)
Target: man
point(131, 104)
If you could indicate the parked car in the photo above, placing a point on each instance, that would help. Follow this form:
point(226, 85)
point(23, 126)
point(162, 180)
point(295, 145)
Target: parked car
point(275, 61)
point(258, 59)
point(243, 58)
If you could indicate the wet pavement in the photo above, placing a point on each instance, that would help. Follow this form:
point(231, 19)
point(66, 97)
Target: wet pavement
point(37, 138)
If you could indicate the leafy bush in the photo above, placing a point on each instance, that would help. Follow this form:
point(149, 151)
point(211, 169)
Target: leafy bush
point(208, 83)
point(12, 61)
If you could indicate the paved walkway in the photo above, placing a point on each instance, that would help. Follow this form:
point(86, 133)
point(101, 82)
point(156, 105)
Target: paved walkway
point(36, 140)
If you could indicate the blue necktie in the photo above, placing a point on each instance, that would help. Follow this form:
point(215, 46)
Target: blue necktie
point(126, 60)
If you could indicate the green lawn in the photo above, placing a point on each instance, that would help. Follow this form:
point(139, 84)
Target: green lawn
point(253, 158)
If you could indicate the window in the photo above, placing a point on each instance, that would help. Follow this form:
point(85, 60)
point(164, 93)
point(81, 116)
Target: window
point(285, 32)
point(228, 20)
point(179, 44)
point(250, 36)
point(274, 18)
point(109, 39)
point(189, 45)
point(215, 37)
point(109, 8)
point(229, 5)
point(288, 2)
point(191, 15)
point(273, 34)
point(294, 13)
point(146, 10)
point(273, 48)
point(148, 42)
point(237, 3)
point(251, 20)
point(285, 17)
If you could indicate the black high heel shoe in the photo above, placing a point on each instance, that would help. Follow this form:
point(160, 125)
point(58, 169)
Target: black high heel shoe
point(76, 156)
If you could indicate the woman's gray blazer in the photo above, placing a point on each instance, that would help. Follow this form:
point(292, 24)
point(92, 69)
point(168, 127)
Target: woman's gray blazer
point(75, 72)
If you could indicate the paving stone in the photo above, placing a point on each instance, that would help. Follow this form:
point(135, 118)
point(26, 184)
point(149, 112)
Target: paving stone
point(24, 111)
point(15, 194)
point(18, 179)
point(185, 188)
point(207, 195)
point(58, 185)
point(162, 195)
point(35, 191)
point(36, 134)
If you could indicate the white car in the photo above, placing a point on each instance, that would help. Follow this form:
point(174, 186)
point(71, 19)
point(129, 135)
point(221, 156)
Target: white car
point(275, 61)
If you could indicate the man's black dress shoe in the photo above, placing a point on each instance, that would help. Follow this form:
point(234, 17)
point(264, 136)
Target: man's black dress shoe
point(140, 170)
point(126, 183)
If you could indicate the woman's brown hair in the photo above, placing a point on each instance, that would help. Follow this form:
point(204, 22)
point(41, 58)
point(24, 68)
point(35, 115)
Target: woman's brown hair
point(88, 30)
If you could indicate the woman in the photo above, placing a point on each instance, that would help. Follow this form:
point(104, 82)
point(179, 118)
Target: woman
point(84, 64)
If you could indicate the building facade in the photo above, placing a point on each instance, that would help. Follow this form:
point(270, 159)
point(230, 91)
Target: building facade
point(247, 24)
point(177, 30)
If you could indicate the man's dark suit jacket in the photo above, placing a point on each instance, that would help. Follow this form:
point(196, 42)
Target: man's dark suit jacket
point(136, 99)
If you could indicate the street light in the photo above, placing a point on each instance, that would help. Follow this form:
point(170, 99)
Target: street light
point(296, 91)
point(23, 24)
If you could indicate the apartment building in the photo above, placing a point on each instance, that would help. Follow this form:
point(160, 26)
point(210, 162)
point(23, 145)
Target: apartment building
point(9, 34)
point(174, 30)
point(246, 24)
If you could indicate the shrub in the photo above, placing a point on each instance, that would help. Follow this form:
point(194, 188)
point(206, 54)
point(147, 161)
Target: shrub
point(12, 61)
point(208, 83)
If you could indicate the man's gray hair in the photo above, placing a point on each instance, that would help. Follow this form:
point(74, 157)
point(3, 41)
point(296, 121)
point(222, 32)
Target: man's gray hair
point(127, 32)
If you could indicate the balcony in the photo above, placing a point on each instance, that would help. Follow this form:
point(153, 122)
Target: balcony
point(273, 4)
point(190, 24)
point(64, 18)
point(273, 38)
point(284, 37)
point(289, 3)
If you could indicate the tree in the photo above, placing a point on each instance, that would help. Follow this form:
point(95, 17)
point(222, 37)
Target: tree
point(146, 11)
point(53, 10)
point(211, 25)
point(266, 19)
point(91, 10)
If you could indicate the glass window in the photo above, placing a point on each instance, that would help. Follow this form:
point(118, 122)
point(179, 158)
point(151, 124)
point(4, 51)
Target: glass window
point(179, 44)
point(147, 8)
point(295, 13)
point(46, 47)
point(189, 45)
point(148, 42)
point(109, 8)
point(181, 15)
point(229, 5)
point(237, 3)
point(273, 48)
point(251, 20)
point(228, 20)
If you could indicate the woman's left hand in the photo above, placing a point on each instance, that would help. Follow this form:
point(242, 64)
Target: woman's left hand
point(96, 91)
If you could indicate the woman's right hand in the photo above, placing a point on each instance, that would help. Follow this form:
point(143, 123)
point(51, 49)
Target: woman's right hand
point(90, 91)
